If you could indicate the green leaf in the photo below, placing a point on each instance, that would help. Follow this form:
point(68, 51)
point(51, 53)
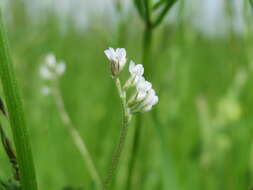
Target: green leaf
point(164, 12)
point(16, 114)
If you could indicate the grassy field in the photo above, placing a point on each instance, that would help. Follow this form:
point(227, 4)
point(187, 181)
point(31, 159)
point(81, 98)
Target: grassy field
point(201, 138)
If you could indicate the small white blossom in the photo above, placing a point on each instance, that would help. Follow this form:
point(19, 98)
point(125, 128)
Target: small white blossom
point(60, 68)
point(145, 97)
point(51, 68)
point(117, 58)
point(136, 72)
point(150, 100)
point(50, 60)
point(45, 72)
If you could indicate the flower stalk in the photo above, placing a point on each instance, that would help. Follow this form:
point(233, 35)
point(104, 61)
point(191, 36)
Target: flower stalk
point(126, 117)
point(141, 100)
point(16, 114)
point(50, 71)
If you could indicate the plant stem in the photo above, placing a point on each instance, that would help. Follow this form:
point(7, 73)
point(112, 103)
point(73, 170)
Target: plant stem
point(16, 114)
point(126, 117)
point(77, 139)
point(147, 44)
point(10, 153)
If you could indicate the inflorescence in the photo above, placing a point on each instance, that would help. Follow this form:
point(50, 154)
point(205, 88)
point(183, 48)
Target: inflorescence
point(140, 96)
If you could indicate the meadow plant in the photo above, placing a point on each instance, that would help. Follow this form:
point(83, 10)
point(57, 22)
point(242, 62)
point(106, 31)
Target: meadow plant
point(136, 95)
point(152, 13)
point(16, 114)
point(50, 71)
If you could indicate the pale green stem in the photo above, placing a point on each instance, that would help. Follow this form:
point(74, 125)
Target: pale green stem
point(16, 114)
point(76, 137)
point(123, 133)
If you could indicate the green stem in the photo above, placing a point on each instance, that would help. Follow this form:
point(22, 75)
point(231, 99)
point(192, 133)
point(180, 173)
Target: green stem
point(147, 44)
point(163, 13)
point(123, 134)
point(76, 137)
point(16, 114)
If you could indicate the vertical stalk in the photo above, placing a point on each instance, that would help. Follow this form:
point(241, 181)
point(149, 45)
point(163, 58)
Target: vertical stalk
point(77, 139)
point(123, 134)
point(147, 45)
point(16, 114)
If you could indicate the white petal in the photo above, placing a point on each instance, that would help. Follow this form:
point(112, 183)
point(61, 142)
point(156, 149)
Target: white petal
point(144, 85)
point(139, 69)
point(45, 73)
point(131, 66)
point(50, 60)
point(147, 108)
point(60, 69)
point(141, 95)
point(110, 53)
point(149, 98)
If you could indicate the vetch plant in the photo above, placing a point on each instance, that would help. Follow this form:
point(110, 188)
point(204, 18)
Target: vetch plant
point(50, 71)
point(136, 94)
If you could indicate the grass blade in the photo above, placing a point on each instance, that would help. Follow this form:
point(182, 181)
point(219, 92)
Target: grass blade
point(16, 114)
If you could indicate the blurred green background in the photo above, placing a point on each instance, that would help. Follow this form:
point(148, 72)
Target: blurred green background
point(202, 138)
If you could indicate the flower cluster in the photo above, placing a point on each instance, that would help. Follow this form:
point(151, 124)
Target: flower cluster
point(51, 68)
point(143, 97)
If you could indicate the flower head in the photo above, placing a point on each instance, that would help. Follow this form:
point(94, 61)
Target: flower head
point(143, 97)
point(51, 68)
point(117, 58)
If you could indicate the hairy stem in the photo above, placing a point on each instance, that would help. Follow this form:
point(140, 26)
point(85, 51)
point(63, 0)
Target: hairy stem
point(76, 137)
point(16, 114)
point(126, 117)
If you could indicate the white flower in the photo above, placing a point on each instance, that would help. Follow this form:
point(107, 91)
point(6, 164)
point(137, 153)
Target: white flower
point(150, 100)
point(50, 60)
point(51, 68)
point(117, 58)
point(142, 88)
point(45, 72)
point(136, 72)
point(145, 97)
point(60, 68)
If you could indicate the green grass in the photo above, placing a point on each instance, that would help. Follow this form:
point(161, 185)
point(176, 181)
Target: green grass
point(186, 65)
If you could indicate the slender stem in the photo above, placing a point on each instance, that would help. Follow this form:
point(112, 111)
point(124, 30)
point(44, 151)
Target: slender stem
point(163, 13)
point(16, 114)
point(147, 45)
point(77, 139)
point(123, 134)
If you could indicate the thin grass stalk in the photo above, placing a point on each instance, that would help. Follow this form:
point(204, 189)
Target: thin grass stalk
point(163, 13)
point(76, 137)
point(147, 51)
point(123, 134)
point(16, 114)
